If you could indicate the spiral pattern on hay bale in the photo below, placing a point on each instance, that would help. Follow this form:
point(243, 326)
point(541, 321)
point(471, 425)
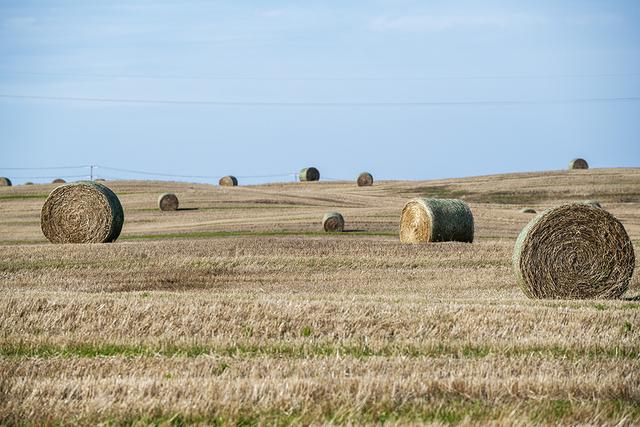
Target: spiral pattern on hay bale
point(168, 202)
point(5, 182)
point(82, 212)
point(436, 220)
point(228, 181)
point(58, 181)
point(365, 179)
point(578, 164)
point(309, 174)
point(574, 251)
point(332, 222)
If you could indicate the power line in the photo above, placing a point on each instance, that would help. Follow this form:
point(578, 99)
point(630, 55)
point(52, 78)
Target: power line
point(48, 168)
point(481, 103)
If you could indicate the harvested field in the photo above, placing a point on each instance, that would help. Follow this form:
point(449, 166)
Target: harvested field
point(240, 310)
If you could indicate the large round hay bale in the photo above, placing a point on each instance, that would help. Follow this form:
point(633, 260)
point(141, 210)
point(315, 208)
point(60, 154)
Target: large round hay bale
point(365, 179)
point(5, 182)
point(436, 220)
point(228, 181)
point(578, 164)
point(309, 174)
point(168, 202)
point(58, 181)
point(82, 212)
point(333, 221)
point(574, 251)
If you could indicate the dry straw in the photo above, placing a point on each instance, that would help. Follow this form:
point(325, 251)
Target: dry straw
point(578, 164)
point(574, 251)
point(58, 181)
point(228, 181)
point(365, 179)
point(436, 220)
point(5, 182)
point(309, 174)
point(168, 202)
point(82, 212)
point(333, 221)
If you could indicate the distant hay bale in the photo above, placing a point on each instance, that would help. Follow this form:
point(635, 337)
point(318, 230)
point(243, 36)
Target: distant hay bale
point(365, 179)
point(58, 181)
point(333, 221)
point(82, 212)
point(309, 174)
point(28, 183)
point(574, 251)
point(528, 210)
point(594, 203)
point(578, 164)
point(436, 220)
point(100, 179)
point(228, 181)
point(5, 182)
point(168, 202)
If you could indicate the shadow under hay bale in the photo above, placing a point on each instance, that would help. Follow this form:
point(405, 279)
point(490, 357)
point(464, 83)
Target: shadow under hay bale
point(168, 202)
point(5, 182)
point(82, 212)
point(309, 174)
point(228, 181)
point(365, 179)
point(436, 220)
point(574, 251)
point(333, 222)
point(578, 164)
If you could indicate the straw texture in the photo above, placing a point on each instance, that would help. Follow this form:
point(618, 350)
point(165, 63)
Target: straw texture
point(168, 202)
point(365, 179)
point(5, 182)
point(436, 220)
point(228, 181)
point(574, 251)
point(333, 221)
point(578, 164)
point(83, 212)
point(309, 174)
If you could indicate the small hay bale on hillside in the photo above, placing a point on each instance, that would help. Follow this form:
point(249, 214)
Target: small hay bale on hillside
point(436, 220)
point(168, 202)
point(82, 212)
point(5, 182)
point(528, 210)
point(228, 181)
point(578, 164)
point(333, 221)
point(365, 179)
point(309, 174)
point(574, 251)
point(28, 183)
point(58, 181)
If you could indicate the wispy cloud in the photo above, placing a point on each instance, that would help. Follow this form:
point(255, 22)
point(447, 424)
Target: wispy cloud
point(430, 23)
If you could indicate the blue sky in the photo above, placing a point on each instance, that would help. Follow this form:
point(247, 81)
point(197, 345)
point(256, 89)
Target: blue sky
point(385, 54)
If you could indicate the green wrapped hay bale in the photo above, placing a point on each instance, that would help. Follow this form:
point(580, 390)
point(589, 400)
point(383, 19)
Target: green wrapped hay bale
point(309, 174)
point(58, 181)
point(365, 179)
point(5, 182)
point(228, 181)
point(82, 212)
point(578, 164)
point(528, 210)
point(574, 251)
point(333, 222)
point(436, 220)
point(168, 202)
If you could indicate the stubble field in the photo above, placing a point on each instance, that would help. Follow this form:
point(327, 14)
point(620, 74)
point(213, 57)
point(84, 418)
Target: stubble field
point(239, 309)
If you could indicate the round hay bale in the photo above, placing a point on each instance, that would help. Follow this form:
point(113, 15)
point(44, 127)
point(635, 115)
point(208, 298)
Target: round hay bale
point(574, 251)
point(5, 182)
point(168, 202)
point(578, 164)
point(333, 221)
point(100, 180)
point(58, 181)
point(309, 174)
point(365, 179)
point(28, 183)
point(594, 203)
point(436, 220)
point(228, 181)
point(82, 212)
point(527, 210)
